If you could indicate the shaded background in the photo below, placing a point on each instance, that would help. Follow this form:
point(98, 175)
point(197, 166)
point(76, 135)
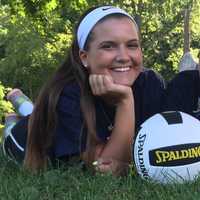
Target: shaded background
point(35, 36)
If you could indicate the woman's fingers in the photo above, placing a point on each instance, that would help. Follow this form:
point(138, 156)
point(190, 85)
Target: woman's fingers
point(103, 85)
point(103, 165)
point(92, 84)
point(115, 167)
point(97, 84)
point(98, 150)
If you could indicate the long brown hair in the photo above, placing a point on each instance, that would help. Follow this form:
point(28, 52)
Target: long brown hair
point(43, 120)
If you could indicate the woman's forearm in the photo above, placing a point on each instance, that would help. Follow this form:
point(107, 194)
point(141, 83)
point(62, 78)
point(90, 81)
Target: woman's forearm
point(119, 144)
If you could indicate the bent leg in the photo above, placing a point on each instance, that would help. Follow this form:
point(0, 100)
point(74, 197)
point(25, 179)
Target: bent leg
point(14, 142)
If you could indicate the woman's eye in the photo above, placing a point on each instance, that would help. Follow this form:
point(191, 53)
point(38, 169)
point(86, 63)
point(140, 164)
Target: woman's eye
point(107, 46)
point(133, 46)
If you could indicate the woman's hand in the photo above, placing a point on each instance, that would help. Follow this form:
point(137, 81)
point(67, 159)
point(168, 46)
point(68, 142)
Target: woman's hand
point(116, 167)
point(103, 85)
point(115, 155)
point(98, 150)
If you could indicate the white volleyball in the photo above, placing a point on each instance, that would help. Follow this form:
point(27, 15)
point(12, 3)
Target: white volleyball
point(167, 148)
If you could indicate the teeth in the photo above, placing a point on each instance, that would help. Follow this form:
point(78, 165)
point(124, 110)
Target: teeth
point(121, 69)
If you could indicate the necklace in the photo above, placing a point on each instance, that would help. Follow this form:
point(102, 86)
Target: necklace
point(110, 126)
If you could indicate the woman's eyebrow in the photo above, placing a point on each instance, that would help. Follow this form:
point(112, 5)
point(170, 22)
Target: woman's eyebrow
point(133, 40)
point(112, 41)
point(106, 42)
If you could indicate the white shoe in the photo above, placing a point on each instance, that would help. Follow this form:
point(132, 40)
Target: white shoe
point(187, 63)
point(22, 104)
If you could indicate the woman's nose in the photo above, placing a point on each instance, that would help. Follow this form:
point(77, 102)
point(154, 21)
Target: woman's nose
point(123, 55)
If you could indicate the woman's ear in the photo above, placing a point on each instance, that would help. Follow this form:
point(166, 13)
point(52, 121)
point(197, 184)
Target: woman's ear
point(83, 56)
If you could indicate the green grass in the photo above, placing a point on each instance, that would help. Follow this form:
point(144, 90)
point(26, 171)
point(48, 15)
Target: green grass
point(73, 183)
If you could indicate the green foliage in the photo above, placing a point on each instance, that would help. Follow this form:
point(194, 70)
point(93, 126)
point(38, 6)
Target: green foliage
point(5, 106)
point(195, 24)
point(31, 51)
point(35, 35)
point(162, 34)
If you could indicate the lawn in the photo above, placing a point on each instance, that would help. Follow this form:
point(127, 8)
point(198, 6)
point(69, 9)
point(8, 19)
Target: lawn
point(74, 183)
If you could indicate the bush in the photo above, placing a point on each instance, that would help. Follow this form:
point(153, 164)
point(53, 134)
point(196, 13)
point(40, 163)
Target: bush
point(5, 106)
point(29, 50)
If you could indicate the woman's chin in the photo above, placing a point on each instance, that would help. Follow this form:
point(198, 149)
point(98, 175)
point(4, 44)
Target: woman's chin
point(126, 79)
point(125, 83)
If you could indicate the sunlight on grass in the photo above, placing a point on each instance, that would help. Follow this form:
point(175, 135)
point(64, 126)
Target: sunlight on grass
point(74, 183)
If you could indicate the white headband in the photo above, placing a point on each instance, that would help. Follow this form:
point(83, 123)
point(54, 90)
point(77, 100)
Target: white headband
point(90, 20)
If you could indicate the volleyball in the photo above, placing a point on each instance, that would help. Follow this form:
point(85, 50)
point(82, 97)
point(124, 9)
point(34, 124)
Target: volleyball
point(167, 148)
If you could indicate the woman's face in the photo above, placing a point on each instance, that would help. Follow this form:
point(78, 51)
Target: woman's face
point(114, 50)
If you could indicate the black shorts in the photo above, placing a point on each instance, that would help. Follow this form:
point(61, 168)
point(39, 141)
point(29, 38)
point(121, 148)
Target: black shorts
point(14, 145)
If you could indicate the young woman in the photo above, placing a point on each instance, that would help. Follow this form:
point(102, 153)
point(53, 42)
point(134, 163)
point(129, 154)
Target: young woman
point(97, 99)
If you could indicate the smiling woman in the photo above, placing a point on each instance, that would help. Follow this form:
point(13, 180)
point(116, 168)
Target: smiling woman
point(113, 51)
point(96, 100)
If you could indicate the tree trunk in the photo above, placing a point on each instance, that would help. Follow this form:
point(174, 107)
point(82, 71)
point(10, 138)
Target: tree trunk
point(186, 31)
point(138, 17)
